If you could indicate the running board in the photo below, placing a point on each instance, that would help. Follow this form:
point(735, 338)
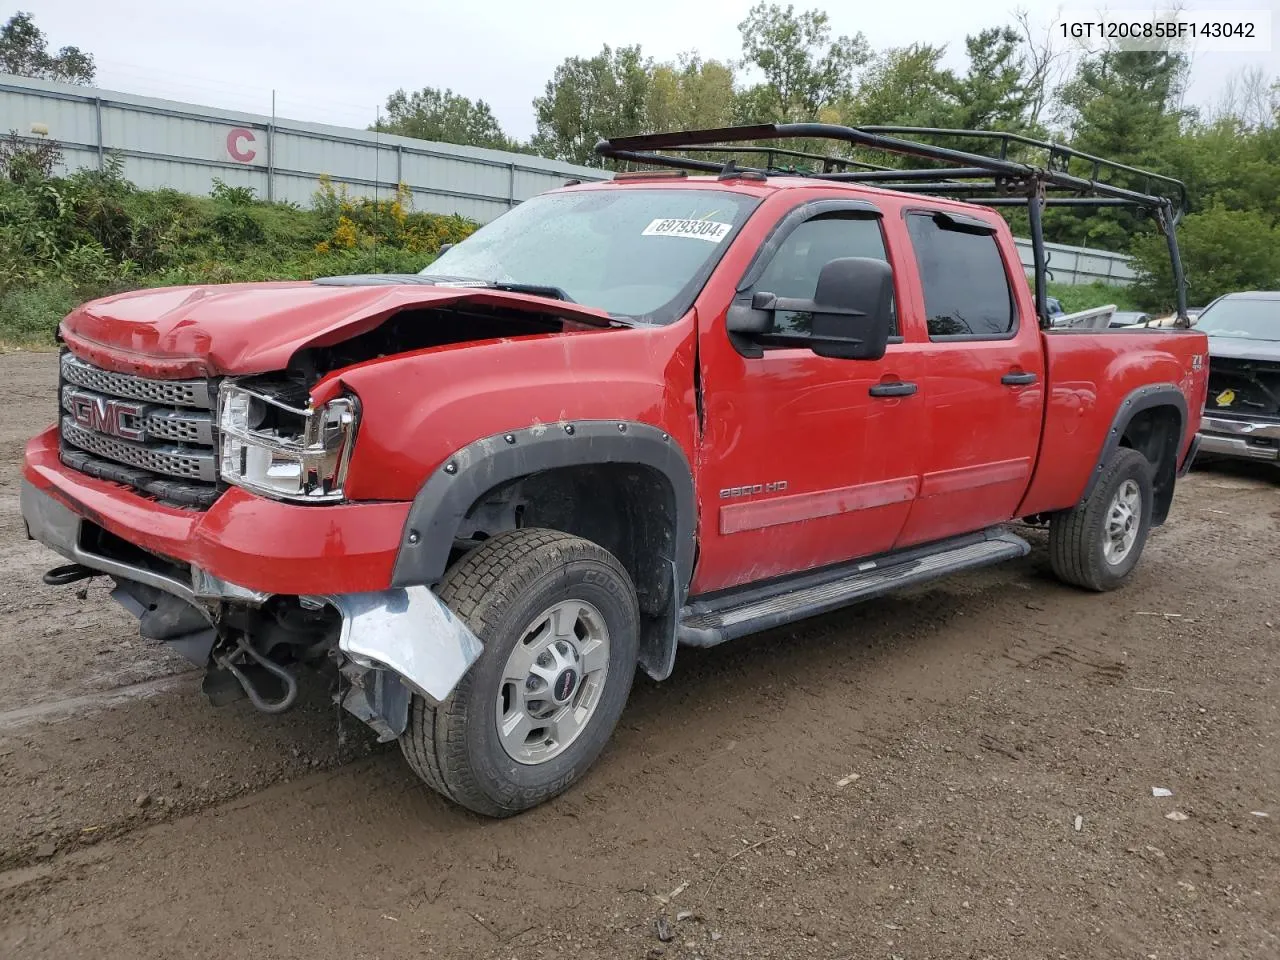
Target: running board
point(705, 625)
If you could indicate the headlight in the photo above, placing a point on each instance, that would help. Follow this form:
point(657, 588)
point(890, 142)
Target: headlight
point(284, 451)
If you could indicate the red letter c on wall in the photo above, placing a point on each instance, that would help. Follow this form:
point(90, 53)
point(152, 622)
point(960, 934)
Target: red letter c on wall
point(237, 152)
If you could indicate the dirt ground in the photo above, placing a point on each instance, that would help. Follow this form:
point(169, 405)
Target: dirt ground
point(966, 771)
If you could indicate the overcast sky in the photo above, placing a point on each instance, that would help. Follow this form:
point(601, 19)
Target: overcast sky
point(335, 61)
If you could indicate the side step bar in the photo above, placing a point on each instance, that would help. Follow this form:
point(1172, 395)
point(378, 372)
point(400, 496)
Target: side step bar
point(707, 623)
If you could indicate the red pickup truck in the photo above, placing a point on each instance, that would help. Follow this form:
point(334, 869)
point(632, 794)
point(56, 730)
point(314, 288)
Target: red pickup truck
point(625, 416)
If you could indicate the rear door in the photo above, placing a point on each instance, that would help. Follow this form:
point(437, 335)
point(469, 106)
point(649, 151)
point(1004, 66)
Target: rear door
point(983, 377)
point(805, 460)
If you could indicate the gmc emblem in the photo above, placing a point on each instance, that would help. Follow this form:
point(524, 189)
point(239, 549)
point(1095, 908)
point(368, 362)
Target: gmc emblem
point(119, 418)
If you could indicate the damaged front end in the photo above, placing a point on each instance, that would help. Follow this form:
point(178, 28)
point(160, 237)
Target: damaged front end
point(210, 439)
point(381, 647)
point(386, 646)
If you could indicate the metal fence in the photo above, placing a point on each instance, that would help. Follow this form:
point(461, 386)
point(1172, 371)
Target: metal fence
point(167, 144)
point(1077, 265)
point(163, 143)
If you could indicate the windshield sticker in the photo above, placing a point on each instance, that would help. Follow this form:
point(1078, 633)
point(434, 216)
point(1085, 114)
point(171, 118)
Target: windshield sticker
point(711, 230)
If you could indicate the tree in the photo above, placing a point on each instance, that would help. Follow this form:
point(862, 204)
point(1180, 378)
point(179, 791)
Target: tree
point(689, 94)
point(994, 93)
point(1124, 106)
point(906, 86)
point(442, 115)
point(805, 71)
point(1249, 98)
point(589, 99)
point(24, 52)
point(1044, 65)
point(1227, 164)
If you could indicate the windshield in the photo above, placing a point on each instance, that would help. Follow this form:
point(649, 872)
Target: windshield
point(633, 252)
point(1242, 319)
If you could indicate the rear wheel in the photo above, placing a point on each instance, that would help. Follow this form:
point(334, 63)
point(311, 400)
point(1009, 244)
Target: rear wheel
point(558, 618)
point(1097, 543)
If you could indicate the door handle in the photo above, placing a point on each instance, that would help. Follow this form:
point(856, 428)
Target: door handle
point(898, 389)
point(1018, 379)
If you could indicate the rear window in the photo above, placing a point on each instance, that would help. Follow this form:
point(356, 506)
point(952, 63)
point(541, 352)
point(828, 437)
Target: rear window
point(966, 289)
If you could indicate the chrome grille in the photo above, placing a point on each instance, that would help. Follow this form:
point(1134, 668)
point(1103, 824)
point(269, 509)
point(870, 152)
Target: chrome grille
point(185, 428)
point(178, 393)
point(172, 460)
point(157, 436)
point(159, 423)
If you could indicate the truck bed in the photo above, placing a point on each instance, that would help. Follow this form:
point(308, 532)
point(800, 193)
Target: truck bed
point(1090, 375)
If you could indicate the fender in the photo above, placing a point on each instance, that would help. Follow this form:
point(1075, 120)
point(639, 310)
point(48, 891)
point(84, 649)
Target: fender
point(443, 501)
point(1143, 398)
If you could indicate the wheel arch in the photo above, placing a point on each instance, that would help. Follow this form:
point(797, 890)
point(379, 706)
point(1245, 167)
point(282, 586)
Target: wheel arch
point(1151, 420)
point(623, 484)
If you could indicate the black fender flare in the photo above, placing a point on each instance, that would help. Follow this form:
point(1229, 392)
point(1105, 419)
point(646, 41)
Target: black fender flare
point(1136, 401)
point(442, 502)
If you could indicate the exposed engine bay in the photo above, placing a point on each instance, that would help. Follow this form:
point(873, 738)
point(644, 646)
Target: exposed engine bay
point(423, 328)
point(1244, 387)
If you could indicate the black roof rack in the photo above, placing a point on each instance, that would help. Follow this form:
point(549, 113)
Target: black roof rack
point(1022, 171)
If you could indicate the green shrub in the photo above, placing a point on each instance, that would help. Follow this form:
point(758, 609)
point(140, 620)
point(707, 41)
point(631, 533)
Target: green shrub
point(30, 315)
point(236, 226)
point(1085, 296)
point(21, 162)
point(67, 239)
point(235, 196)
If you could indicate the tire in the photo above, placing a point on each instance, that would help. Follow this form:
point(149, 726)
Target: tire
point(1083, 547)
point(501, 590)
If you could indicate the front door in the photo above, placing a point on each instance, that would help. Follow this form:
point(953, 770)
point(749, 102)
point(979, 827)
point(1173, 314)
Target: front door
point(802, 461)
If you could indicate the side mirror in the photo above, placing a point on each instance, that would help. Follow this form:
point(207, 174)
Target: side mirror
point(850, 316)
point(853, 305)
point(444, 248)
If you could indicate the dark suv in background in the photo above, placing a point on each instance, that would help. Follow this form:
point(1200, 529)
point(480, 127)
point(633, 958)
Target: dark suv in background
point(1242, 413)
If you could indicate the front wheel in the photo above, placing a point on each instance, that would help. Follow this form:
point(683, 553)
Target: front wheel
point(1097, 543)
point(560, 625)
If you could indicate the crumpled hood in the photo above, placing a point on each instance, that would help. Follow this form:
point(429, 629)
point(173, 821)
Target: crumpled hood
point(256, 327)
point(1239, 348)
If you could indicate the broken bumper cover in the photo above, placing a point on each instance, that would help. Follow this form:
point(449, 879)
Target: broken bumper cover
point(410, 632)
point(1246, 439)
point(58, 527)
point(396, 642)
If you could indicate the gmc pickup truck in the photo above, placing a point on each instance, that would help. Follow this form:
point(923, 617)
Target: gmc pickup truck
point(625, 416)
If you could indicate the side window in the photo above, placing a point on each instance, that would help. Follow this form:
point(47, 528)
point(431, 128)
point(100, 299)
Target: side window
point(966, 289)
point(794, 269)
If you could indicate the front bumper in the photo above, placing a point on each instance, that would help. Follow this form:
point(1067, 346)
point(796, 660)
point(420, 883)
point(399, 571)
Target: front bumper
point(1244, 439)
point(263, 545)
point(245, 550)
